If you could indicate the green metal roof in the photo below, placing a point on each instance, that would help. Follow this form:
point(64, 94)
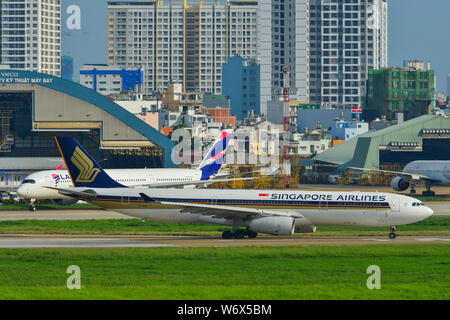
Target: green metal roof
point(363, 151)
point(340, 154)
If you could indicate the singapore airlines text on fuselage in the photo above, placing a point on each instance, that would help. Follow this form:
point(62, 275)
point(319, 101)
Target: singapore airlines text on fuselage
point(327, 197)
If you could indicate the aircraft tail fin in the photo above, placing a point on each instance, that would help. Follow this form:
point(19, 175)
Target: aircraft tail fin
point(214, 159)
point(83, 169)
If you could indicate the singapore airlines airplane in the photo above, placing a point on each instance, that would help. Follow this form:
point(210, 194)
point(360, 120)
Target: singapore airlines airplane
point(275, 212)
point(35, 185)
point(432, 172)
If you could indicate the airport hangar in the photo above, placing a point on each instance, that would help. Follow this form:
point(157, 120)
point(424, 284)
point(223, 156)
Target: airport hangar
point(423, 138)
point(34, 107)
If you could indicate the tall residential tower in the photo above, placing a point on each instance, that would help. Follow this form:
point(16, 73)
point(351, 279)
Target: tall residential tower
point(30, 35)
point(181, 41)
point(282, 42)
point(346, 39)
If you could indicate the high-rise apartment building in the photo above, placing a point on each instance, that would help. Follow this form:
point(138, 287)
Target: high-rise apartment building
point(241, 85)
point(30, 35)
point(282, 42)
point(346, 39)
point(178, 41)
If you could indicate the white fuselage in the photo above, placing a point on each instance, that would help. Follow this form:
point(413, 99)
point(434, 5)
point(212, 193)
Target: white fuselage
point(35, 185)
point(437, 170)
point(319, 207)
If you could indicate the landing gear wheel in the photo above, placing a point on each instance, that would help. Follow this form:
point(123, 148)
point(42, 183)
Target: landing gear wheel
point(227, 235)
point(239, 234)
point(32, 208)
point(428, 193)
point(252, 234)
point(413, 190)
point(393, 235)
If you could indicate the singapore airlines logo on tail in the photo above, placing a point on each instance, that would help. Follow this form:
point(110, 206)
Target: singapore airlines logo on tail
point(87, 171)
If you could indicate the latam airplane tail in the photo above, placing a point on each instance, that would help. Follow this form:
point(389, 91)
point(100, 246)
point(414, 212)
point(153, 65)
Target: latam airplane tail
point(83, 169)
point(214, 159)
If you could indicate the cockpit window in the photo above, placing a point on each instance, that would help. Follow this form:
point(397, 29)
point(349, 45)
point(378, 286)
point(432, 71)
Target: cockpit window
point(418, 204)
point(29, 181)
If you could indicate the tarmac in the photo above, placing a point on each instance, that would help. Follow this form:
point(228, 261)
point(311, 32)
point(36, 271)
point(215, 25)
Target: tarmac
point(16, 241)
point(440, 208)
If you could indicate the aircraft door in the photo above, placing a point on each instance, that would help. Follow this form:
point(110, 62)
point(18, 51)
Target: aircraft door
point(214, 200)
point(323, 202)
point(395, 204)
point(125, 198)
point(323, 205)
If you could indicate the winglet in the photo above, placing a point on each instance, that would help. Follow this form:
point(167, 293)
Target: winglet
point(84, 171)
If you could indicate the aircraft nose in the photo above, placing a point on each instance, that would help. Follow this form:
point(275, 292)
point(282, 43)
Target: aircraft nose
point(22, 191)
point(428, 212)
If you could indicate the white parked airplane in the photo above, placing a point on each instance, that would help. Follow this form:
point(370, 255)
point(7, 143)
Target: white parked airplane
point(275, 212)
point(35, 185)
point(432, 172)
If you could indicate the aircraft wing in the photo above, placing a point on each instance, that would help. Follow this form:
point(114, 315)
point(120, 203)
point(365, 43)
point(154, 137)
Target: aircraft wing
point(75, 194)
point(226, 212)
point(406, 175)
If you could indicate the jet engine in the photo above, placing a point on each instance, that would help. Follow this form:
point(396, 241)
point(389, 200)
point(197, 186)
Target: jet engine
point(64, 202)
point(277, 226)
point(399, 184)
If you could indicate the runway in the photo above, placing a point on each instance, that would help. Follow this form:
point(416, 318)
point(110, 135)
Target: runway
point(61, 215)
point(88, 241)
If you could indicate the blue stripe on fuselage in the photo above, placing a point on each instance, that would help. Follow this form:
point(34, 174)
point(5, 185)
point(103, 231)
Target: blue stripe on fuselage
point(235, 202)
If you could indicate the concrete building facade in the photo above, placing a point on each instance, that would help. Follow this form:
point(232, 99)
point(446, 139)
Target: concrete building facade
point(282, 42)
point(30, 35)
point(184, 42)
point(346, 38)
point(241, 79)
point(108, 80)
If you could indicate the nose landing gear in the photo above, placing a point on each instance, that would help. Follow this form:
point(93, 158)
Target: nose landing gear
point(393, 235)
point(32, 206)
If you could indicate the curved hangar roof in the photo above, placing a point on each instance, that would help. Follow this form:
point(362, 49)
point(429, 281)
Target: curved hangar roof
point(63, 105)
point(363, 151)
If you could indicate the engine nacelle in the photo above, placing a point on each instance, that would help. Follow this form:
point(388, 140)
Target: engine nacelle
point(64, 202)
point(277, 226)
point(399, 184)
point(305, 229)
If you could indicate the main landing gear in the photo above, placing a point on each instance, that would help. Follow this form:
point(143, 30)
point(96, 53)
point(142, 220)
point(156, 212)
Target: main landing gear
point(239, 234)
point(428, 193)
point(393, 235)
